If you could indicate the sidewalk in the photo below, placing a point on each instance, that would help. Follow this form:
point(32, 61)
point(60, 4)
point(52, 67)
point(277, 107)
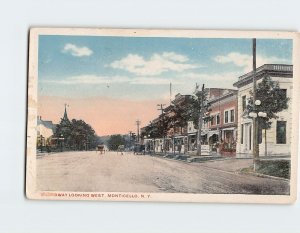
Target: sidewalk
point(187, 157)
point(216, 157)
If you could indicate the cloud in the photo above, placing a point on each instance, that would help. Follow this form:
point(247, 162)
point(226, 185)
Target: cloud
point(156, 65)
point(88, 79)
point(97, 79)
point(245, 61)
point(77, 51)
point(211, 77)
point(154, 81)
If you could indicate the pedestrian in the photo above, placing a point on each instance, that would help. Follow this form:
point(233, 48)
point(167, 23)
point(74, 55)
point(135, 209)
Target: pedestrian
point(179, 148)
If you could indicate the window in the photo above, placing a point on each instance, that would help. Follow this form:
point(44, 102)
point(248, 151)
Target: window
point(212, 120)
point(281, 132)
point(283, 93)
point(229, 116)
point(218, 119)
point(226, 116)
point(244, 103)
point(242, 134)
point(232, 115)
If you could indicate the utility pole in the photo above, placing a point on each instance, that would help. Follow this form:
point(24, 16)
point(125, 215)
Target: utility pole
point(153, 135)
point(138, 122)
point(161, 108)
point(200, 122)
point(255, 123)
point(130, 134)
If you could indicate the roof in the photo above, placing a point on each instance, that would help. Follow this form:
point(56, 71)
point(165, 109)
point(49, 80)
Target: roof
point(47, 124)
point(228, 94)
point(274, 70)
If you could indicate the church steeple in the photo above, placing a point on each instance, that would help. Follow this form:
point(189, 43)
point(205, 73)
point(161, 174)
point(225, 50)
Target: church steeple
point(65, 114)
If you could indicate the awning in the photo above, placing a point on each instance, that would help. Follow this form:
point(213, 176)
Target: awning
point(213, 132)
point(192, 134)
point(204, 132)
point(227, 129)
point(176, 137)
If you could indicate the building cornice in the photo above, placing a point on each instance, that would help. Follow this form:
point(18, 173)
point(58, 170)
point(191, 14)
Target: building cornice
point(274, 70)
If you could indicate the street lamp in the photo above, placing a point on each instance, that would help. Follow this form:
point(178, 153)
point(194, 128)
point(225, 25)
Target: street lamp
point(262, 114)
point(257, 102)
point(255, 114)
point(61, 142)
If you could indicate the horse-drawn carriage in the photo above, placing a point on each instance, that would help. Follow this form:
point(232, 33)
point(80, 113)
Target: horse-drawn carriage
point(121, 148)
point(139, 149)
point(101, 149)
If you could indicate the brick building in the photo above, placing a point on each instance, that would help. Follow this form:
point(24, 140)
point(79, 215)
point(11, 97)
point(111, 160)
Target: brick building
point(223, 123)
point(220, 131)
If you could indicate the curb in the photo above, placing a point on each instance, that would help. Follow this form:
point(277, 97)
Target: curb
point(264, 176)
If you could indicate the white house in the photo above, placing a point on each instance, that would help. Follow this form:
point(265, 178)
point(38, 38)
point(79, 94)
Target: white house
point(279, 135)
point(45, 130)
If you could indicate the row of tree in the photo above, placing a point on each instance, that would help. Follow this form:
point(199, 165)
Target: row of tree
point(117, 140)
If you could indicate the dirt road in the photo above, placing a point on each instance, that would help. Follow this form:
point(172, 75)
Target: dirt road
point(112, 172)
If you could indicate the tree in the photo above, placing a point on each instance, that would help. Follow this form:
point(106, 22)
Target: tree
point(197, 110)
point(273, 100)
point(82, 135)
point(77, 134)
point(115, 141)
point(178, 115)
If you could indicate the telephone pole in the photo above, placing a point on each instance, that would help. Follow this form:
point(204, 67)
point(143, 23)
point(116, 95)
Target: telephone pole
point(130, 134)
point(200, 121)
point(161, 108)
point(255, 122)
point(138, 122)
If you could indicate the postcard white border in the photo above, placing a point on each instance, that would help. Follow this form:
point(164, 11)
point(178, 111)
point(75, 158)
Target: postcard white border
point(31, 191)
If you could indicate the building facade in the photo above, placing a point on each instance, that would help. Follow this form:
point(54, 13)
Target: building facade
point(223, 123)
point(277, 140)
point(219, 133)
point(45, 132)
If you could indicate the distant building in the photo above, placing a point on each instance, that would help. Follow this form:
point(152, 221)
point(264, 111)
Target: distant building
point(45, 131)
point(279, 135)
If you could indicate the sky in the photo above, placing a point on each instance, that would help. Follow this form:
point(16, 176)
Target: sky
point(110, 82)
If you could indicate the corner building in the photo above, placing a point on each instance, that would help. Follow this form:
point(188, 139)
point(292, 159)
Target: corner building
point(278, 138)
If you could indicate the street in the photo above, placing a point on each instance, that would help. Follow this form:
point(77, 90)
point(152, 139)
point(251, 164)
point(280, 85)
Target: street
point(113, 172)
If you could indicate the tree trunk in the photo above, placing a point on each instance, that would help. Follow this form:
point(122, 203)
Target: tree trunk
point(199, 134)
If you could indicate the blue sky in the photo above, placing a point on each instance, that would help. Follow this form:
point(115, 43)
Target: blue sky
point(142, 68)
